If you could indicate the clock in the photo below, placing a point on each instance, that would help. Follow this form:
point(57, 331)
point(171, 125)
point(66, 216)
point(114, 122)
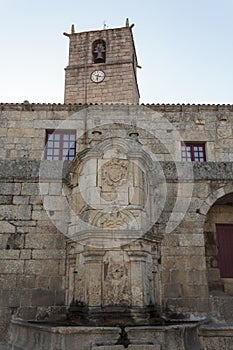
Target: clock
point(97, 76)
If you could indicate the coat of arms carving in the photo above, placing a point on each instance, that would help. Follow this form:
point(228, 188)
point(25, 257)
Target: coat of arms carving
point(114, 172)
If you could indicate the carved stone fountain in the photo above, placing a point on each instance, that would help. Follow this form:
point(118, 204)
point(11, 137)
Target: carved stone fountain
point(113, 254)
point(113, 266)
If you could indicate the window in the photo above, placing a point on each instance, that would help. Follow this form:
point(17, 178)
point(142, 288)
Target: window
point(99, 51)
point(193, 152)
point(225, 249)
point(60, 144)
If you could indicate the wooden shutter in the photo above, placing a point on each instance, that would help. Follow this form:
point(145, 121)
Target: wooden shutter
point(225, 249)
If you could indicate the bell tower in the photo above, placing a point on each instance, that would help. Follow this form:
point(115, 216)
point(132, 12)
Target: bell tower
point(102, 67)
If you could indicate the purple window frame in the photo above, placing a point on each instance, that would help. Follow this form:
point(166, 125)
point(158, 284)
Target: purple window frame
point(60, 144)
point(193, 152)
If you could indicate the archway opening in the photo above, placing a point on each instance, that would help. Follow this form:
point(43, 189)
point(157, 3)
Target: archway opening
point(218, 232)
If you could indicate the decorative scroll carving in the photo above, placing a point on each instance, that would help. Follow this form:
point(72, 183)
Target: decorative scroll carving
point(115, 220)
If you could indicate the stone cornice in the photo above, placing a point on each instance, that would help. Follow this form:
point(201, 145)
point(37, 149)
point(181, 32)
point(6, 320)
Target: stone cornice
point(43, 170)
point(26, 106)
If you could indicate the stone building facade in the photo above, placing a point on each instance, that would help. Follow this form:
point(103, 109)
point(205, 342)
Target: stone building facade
point(160, 253)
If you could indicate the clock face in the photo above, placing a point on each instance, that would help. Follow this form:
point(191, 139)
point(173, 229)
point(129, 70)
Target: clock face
point(97, 76)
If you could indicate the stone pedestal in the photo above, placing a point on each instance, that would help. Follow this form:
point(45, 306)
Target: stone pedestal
point(118, 286)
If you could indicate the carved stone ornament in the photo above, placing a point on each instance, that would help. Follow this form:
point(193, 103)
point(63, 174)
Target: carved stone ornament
point(116, 291)
point(199, 120)
point(223, 129)
point(115, 220)
point(223, 117)
point(114, 172)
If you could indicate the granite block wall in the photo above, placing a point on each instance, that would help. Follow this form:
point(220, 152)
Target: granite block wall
point(34, 219)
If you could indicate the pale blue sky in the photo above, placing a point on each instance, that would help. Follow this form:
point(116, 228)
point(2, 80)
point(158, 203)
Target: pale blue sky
point(185, 47)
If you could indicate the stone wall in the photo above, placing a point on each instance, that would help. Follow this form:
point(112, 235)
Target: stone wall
point(34, 217)
point(32, 259)
point(22, 132)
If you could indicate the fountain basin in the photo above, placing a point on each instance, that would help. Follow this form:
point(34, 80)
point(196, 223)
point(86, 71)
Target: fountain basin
point(40, 336)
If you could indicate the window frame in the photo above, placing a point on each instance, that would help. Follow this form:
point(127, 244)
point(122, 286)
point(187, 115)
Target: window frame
point(63, 133)
point(192, 151)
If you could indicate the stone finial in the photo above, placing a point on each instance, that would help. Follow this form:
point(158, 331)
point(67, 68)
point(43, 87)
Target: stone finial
point(127, 22)
point(72, 29)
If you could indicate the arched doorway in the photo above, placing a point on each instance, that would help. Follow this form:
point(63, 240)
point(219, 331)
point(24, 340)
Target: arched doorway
point(218, 233)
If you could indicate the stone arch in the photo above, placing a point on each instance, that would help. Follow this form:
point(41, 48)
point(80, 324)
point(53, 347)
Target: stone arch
point(112, 189)
point(214, 196)
point(218, 209)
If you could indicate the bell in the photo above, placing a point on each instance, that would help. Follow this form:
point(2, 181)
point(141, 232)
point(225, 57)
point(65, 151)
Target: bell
point(99, 50)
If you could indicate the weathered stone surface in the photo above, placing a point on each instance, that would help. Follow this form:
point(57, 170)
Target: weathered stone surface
point(4, 331)
point(56, 203)
point(10, 188)
point(5, 199)
point(20, 200)
point(8, 281)
point(38, 268)
point(9, 298)
point(15, 169)
point(10, 254)
point(30, 189)
point(6, 227)
point(42, 297)
point(222, 307)
point(13, 212)
point(144, 347)
point(11, 266)
point(107, 347)
point(41, 336)
point(43, 169)
point(25, 281)
point(216, 336)
point(29, 169)
point(52, 170)
point(44, 240)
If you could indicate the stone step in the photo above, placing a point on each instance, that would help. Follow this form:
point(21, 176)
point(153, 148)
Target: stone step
point(131, 346)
